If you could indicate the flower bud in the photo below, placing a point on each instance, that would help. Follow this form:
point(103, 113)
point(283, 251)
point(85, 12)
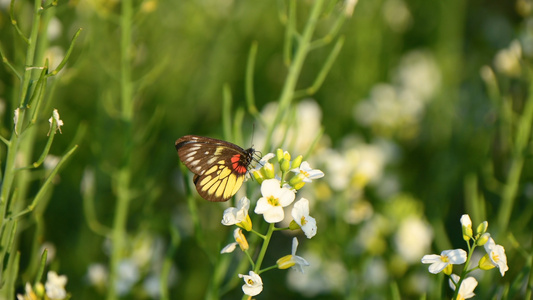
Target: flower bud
point(258, 176)
point(285, 165)
point(295, 180)
point(268, 171)
point(246, 224)
point(285, 262)
point(297, 161)
point(279, 154)
point(39, 290)
point(467, 227)
point(299, 185)
point(483, 239)
point(482, 228)
point(485, 263)
point(287, 156)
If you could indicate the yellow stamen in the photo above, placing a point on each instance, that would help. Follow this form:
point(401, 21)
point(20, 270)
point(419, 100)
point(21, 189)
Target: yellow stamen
point(273, 201)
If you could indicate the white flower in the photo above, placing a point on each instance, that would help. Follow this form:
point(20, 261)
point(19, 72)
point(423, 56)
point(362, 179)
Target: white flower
point(497, 255)
point(98, 274)
point(466, 290)
point(292, 260)
point(507, 60)
point(128, 275)
point(300, 214)
point(54, 29)
point(273, 201)
point(29, 293)
point(234, 215)
point(446, 258)
point(55, 286)
point(413, 238)
point(397, 15)
point(301, 130)
point(308, 172)
point(253, 285)
point(59, 122)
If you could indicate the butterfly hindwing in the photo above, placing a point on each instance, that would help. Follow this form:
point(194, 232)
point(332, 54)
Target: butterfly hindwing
point(219, 166)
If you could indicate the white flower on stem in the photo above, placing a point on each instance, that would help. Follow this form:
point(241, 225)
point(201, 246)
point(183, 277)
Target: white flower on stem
point(238, 215)
point(466, 290)
point(55, 286)
point(29, 293)
point(292, 260)
point(445, 260)
point(308, 172)
point(497, 255)
point(55, 118)
point(273, 201)
point(300, 214)
point(253, 285)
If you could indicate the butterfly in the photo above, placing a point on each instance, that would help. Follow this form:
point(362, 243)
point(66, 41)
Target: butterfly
point(219, 167)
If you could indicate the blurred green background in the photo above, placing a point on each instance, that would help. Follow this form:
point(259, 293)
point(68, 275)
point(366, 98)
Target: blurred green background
point(414, 129)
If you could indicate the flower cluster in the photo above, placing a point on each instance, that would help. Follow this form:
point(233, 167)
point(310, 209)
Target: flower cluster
point(395, 109)
point(279, 184)
point(138, 270)
point(53, 289)
point(494, 258)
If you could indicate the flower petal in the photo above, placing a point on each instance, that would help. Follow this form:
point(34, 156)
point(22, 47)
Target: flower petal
point(274, 215)
point(437, 267)
point(285, 196)
point(431, 258)
point(455, 256)
point(269, 187)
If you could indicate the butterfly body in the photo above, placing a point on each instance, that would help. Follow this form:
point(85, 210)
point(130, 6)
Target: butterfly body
point(219, 166)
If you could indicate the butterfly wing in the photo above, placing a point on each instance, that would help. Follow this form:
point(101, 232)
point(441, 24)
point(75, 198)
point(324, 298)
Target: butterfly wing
point(219, 166)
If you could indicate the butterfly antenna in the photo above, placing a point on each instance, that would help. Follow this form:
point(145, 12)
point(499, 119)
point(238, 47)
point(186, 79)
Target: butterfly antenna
point(257, 156)
point(253, 133)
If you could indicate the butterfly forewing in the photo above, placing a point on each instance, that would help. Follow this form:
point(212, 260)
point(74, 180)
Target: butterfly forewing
point(219, 166)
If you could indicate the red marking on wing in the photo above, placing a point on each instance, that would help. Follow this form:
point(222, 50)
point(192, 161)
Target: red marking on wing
point(237, 166)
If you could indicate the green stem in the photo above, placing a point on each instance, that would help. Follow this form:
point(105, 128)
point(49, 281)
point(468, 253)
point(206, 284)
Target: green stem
point(268, 268)
point(465, 269)
point(125, 72)
point(262, 253)
point(13, 152)
point(227, 100)
point(15, 139)
point(249, 84)
point(124, 173)
point(294, 70)
point(261, 256)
